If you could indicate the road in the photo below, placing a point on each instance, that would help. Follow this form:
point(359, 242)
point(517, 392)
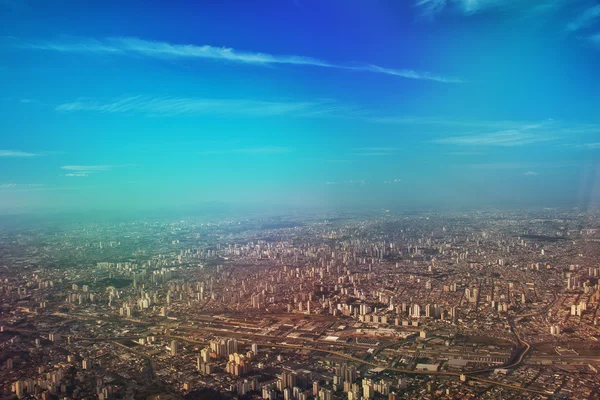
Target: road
point(267, 341)
point(340, 355)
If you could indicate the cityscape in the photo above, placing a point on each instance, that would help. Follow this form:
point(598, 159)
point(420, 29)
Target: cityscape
point(388, 305)
point(299, 199)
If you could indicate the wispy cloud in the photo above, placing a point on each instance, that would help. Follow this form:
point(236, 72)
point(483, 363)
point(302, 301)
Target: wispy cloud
point(133, 46)
point(430, 8)
point(15, 153)
point(172, 106)
point(494, 133)
point(440, 121)
point(520, 136)
point(475, 6)
point(82, 171)
point(594, 39)
point(249, 151)
point(585, 19)
point(410, 74)
point(165, 50)
point(393, 181)
point(592, 146)
point(20, 185)
point(529, 167)
point(95, 168)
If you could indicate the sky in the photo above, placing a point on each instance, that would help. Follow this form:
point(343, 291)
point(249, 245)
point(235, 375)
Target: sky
point(134, 105)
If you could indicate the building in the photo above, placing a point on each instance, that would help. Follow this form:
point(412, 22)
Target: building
point(174, 347)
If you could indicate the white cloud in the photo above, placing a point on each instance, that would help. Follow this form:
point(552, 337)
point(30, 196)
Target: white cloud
point(437, 121)
point(164, 50)
point(411, 74)
point(504, 133)
point(527, 134)
point(592, 146)
point(585, 19)
point(14, 153)
point(595, 39)
point(158, 49)
point(475, 6)
point(88, 168)
point(171, 106)
point(20, 185)
point(530, 168)
point(396, 180)
point(85, 170)
point(430, 8)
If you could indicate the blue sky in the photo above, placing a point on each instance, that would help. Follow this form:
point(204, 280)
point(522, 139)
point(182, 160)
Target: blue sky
point(424, 103)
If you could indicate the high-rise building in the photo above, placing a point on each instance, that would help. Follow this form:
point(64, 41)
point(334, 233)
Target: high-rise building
point(289, 379)
point(174, 347)
point(205, 354)
point(415, 311)
point(18, 388)
point(232, 346)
